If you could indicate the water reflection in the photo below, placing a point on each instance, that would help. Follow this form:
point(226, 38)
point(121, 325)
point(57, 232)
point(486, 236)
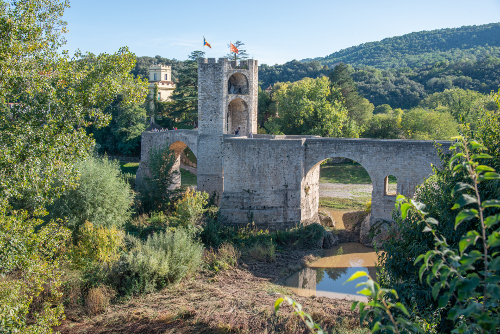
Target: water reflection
point(325, 277)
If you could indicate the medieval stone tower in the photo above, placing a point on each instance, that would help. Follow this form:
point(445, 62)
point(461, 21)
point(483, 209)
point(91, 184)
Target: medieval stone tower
point(227, 100)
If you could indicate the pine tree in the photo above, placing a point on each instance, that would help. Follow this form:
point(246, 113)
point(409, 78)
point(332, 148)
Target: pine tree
point(359, 109)
point(242, 54)
point(185, 96)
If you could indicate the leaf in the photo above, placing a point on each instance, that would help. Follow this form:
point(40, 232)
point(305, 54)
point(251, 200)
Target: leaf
point(476, 146)
point(432, 221)
point(427, 229)
point(481, 156)
point(469, 239)
point(402, 308)
point(492, 203)
point(277, 304)
point(484, 168)
point(443, 300)
point(494, 239)
point(464, 200)
point(365, 292)
point(492, 220)
point(455, 157)
point(465, 215)
point(356, 275)
point(404, 210)
point(488, 176)
point(460, 186)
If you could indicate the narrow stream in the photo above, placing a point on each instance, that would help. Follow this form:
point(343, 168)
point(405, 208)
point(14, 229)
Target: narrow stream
point(326, 276)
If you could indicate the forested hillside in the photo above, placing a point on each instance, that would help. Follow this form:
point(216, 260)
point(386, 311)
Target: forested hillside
point(422, 48)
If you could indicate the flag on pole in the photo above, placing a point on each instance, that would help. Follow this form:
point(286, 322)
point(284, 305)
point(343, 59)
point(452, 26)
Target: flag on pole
point(206, 43)
point(233, 48)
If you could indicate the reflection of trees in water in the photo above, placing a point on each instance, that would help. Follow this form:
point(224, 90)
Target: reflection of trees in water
point(333, 273)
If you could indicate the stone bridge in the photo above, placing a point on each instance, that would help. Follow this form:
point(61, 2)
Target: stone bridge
point(274, 180)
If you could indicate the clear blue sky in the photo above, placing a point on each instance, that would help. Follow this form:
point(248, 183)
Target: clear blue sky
point(273, 31)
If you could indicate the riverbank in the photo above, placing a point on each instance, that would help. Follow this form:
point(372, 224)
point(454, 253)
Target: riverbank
point(238, 300)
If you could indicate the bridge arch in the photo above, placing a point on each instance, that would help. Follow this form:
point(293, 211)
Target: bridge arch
point(176, 140)
point(310, 188)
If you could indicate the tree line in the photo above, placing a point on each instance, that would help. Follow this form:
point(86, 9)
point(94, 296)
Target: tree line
point(422, 48)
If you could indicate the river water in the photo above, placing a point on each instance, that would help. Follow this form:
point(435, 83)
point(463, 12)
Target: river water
point(326, 276)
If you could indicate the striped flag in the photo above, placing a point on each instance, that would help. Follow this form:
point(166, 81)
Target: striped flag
point(233, 48)
point(206, 43)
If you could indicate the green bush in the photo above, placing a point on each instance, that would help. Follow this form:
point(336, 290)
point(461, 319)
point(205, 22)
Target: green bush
point(190, 208)
point(102, 197)
point(96, 244)
point(223, 258)
point(165, 257)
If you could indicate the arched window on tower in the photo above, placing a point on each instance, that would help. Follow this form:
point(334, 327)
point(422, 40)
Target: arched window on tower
point(166, 77)
point(154, 77)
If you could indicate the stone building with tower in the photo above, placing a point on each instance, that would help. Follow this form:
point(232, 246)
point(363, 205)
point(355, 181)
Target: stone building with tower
point(160, 75)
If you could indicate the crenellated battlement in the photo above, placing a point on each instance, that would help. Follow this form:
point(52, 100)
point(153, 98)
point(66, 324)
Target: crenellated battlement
point(230, 64)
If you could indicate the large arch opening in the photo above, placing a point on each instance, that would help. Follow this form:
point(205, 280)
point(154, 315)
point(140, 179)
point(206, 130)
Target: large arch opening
point(237, 117)
point(185, 166)
point(237, 84)
point(339, 189)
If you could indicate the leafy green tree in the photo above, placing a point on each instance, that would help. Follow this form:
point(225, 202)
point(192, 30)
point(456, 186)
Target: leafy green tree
point(428, 125)
point(185, 96)
point(123, 134)
point(102, 197)
point(464, 105)
point(242, 53)
point(304, 108)
point(56, 97)
point(359, 109)
point(383, 126)
point(382, 109)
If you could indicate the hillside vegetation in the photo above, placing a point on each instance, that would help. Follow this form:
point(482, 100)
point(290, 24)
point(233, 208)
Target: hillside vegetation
point(422, 48)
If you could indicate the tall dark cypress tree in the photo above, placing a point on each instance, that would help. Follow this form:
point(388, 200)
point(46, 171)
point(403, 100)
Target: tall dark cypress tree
point(185, 96)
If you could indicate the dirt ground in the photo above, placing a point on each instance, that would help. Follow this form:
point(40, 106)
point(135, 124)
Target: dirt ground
point(238, 300)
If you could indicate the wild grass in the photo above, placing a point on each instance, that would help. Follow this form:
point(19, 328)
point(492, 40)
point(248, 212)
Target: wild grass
point(346, 173)
point(188, 179)
point(129, 167)
point(338, 203)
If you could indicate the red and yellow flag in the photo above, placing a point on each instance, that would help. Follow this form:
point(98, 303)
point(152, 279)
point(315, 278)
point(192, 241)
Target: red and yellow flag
point(233, 48)
point(205, 43)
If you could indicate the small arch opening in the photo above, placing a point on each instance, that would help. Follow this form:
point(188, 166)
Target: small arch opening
point(185, 165)
point(237, 84)
point(390, 185)
point(237, 117)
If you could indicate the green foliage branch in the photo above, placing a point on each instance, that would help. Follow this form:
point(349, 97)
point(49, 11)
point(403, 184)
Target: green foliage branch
point(465, 280)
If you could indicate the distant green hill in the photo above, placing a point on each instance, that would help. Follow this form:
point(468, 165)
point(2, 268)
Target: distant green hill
point(422, 48)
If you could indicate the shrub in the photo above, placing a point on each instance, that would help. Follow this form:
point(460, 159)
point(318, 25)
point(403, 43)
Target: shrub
point(225, 257)
point(97, 299)
point(30, 258)
point(165, 257)
point(190, 208)
point(102, 197)
point(144, 225)
point(96, 244)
